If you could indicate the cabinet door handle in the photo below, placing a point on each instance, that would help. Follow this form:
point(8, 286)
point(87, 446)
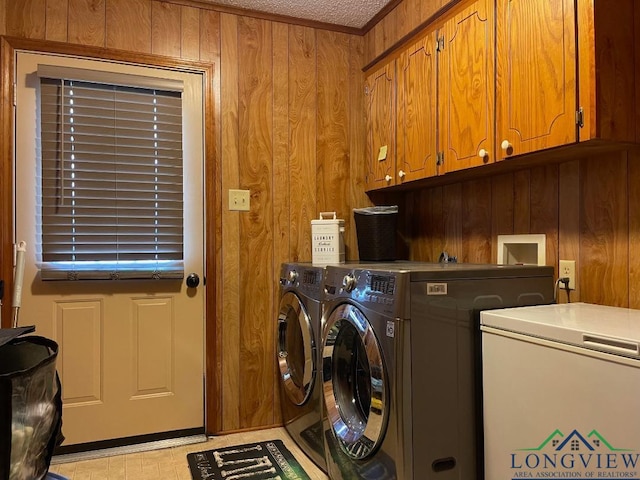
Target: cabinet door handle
point(506, 145)
point(482, 153)
point(388, 178)
point(402, 174)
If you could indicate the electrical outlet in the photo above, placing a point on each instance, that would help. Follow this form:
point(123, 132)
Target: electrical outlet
point(239, 200)
point(568, 269)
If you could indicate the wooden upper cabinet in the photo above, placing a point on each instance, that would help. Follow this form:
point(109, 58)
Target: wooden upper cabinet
point(379, 97)
point(609, 69)
point(508, 77)
point(466, 85)
point(416, 104)
point(536, 86)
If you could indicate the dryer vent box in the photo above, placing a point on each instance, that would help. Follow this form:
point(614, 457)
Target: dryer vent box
point(522, 249)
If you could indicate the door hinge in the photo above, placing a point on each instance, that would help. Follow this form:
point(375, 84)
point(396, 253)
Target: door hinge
point(15, 95)
point(440, 44)
point(580, 117)
point(439, 158)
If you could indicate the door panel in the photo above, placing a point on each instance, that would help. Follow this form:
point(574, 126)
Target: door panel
point(380, 118)
point(416, 147)
point(152, 330)
point(131, 351)
point(78, 326)
point(536, 75)
point(466, 86)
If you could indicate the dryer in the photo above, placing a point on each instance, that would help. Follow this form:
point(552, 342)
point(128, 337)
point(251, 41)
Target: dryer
point(298, 356)
point(401, 368)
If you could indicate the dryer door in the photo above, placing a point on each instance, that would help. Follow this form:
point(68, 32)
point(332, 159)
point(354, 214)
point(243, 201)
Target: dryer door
point(296, 349)
point(355, 383)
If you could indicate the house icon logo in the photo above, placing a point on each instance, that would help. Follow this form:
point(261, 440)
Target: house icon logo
point(577, 454)
point(575, 441)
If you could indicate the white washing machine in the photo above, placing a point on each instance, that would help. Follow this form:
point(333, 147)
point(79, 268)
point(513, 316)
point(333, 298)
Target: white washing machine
point(401, 365)
point(298, 356)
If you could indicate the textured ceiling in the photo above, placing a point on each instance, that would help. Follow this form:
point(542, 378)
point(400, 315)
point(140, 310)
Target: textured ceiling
point(348, 13)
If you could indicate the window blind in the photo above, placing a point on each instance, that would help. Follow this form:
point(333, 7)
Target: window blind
point(111, 197)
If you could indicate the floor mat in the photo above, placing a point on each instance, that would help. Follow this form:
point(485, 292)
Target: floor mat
point(254, 461)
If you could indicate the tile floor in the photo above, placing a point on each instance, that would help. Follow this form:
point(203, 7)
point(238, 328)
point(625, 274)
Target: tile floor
point(171, 463)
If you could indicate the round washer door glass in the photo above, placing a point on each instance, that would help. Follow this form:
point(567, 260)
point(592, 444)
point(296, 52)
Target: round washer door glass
point(355, 390)
point(296, 347)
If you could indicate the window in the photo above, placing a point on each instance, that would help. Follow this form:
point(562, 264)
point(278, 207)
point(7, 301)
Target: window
point(111, 181)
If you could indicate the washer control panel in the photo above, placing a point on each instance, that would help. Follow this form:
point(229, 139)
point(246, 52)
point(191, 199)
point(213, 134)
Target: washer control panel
point(308, 280)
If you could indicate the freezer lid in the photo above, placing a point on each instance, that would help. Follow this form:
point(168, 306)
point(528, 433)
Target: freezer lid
point(598, 327)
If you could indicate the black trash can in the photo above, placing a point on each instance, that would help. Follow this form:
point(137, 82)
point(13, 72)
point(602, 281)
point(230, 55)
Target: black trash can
point(30, 404)
point(376, 229)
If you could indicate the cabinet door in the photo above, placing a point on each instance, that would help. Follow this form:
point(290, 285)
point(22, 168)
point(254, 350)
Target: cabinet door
point(380, 118)
point(466, 82)
point(536, 75)
point(416, 136)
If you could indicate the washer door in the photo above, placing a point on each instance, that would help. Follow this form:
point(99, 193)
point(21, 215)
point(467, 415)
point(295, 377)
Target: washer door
point(296, 349)
point(355, 382)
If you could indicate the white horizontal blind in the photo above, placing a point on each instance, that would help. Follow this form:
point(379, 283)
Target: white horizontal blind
point(111, 181)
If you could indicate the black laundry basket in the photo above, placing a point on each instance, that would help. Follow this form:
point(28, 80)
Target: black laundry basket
point(30, 404)
point(376, 231)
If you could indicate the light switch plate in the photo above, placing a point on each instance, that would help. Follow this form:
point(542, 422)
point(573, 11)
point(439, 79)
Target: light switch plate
point(239, 200)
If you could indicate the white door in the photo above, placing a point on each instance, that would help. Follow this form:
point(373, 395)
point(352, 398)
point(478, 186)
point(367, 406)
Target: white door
point(131, 351)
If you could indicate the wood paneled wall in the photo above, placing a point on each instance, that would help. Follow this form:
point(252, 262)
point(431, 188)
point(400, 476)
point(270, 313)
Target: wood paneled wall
point(141, 26)
point(589, 210)
point(288, 115)
point(288, 123)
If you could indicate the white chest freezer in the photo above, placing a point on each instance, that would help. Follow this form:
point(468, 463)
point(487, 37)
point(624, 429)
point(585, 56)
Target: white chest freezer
point(561, 392)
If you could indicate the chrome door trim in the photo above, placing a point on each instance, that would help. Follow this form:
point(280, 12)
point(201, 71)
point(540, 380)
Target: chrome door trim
point(357, 442)
point(290, 302)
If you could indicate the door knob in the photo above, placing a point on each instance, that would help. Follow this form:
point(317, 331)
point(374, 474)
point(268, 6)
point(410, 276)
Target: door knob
point(193, 280)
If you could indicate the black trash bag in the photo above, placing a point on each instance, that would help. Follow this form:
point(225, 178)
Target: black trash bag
point(30, 405)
